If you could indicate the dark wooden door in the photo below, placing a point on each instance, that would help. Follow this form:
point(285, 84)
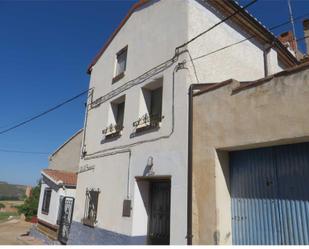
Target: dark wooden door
point(159, 222)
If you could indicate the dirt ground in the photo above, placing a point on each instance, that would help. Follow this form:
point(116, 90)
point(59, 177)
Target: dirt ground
point(10, 205)
point(10, 233)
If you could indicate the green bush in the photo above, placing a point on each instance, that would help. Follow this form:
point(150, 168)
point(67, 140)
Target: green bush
point(2, 205)
point(30, 206)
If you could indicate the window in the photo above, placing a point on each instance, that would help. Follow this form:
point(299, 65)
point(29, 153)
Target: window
point(116, 118)
point(121, 64)
point(46, 201)
point(119, 115)
point(90, 216)
point(151, 107)
point(155, 110)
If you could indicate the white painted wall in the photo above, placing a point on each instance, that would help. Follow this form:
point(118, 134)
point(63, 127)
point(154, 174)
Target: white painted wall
point(152, 33)
point(52, 216)
point(242, 62)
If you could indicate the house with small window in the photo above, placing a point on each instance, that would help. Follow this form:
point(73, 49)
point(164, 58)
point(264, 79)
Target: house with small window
point(58, 187)
point(133, 185)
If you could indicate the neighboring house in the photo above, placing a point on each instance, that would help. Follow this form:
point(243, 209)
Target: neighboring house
point(58, 188)
point(132, 183)
point(251, 160)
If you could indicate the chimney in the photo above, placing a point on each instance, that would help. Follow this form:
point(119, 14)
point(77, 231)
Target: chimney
point(287, 39)
point(306, 34)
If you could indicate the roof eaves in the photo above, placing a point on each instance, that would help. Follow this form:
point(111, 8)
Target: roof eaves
point(244, 85)
point(267, 32)
point(50, 178)
point(101, 51)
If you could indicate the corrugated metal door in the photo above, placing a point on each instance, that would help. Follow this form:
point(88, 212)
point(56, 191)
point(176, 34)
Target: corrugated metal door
point(270, 195)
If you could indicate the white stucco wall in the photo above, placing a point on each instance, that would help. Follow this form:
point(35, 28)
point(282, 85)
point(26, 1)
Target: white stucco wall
point(152, 34)
point(52, 216)
point(243, 61)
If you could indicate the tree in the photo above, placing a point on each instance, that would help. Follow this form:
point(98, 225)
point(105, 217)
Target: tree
point(30, 206)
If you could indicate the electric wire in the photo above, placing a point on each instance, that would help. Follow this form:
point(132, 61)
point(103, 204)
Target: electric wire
point(192, 59)
point(24, 152)
point(67, 101)
point(249, 38)
point(43, 113)
point(217, 24)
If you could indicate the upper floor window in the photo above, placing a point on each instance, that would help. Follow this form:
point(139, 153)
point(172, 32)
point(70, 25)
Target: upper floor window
point(151, 106)
point(116, 118)
point(46, 201)
point(121, 64)
point(155, 108)
point(119, 115)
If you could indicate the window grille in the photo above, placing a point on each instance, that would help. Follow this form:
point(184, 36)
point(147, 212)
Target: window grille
point(90, 216)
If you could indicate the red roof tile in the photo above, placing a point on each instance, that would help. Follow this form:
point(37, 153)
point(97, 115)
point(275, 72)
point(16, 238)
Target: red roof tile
point(68, 178)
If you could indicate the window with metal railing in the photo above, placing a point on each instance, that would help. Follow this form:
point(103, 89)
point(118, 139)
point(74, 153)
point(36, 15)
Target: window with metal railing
point(116, 119)
point(153, 116)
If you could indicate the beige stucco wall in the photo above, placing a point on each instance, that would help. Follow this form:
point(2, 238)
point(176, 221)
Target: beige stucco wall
point(67, 156)
point(272, 113)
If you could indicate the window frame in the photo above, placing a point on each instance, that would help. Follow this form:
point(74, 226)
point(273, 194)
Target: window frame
point(116, 118)
point(46, 201)
point(120, 75)
point(151, 110)
point(150, 120)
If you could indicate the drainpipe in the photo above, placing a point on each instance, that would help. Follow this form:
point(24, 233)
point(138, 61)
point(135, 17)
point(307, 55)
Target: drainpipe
point(189, 181)
point(266, 54)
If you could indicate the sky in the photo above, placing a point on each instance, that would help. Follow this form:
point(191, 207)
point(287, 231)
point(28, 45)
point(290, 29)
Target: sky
point(45, 48)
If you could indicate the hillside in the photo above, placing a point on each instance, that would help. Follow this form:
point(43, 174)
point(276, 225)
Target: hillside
point(11, 191)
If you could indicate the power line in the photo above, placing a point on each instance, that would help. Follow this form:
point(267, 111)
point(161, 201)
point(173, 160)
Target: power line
point(24, 152)
point(302, 38)
point(217, 24)
point(75, 97)
point(289, 21)
point(249, 38)
point(43, 113)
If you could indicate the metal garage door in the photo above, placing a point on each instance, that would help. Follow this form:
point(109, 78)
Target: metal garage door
point(270, 195)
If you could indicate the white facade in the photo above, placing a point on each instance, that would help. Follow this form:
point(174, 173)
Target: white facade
point(64, 159)
point(152, 33)
point(52, 216)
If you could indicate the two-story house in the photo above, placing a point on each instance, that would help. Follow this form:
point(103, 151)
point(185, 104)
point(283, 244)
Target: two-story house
point(133, 177)
point(58, 186)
